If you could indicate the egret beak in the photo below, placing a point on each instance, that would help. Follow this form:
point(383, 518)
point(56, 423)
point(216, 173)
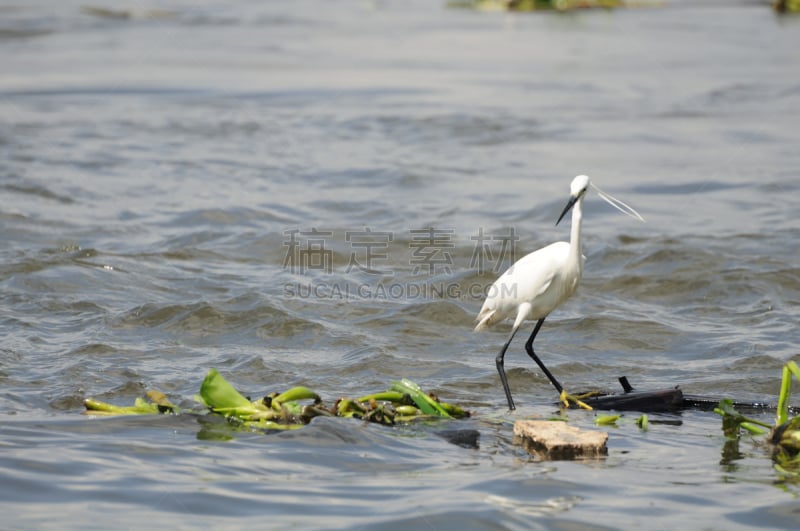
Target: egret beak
point(572, 201)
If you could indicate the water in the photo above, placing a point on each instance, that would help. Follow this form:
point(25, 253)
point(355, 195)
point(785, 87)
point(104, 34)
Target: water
point(158, 169)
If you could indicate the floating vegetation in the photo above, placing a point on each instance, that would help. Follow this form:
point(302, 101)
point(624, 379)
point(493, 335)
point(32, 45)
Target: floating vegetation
point(786, 6)
point(781, 6)
point(536, 5)
point(783, 438)
point(404, 402)
point(607, 420)
point(157, 404)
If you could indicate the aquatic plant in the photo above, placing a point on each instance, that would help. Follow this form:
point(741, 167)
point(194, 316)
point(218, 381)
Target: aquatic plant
point(536, 5)
point(786, 6)
point(780, 6)
point(783, 438)
point(404, 402)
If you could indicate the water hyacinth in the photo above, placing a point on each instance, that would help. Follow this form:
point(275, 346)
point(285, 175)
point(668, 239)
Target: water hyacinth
point(539, 5)
point(784, 437)
point(404, 402)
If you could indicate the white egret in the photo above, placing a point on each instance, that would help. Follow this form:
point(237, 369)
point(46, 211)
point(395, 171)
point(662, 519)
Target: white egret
point(541, 281)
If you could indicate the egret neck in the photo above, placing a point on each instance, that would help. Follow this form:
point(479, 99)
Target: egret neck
point(575, 260)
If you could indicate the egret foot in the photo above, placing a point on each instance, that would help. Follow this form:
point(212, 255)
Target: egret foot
point(589, 394)
point(566, 398)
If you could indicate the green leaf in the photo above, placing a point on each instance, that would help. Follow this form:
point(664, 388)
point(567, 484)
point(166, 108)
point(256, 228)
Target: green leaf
point(789, 369)
point(454, 411)
point(606, 420)
point(425, 403)
point(221, 397)
point(752, 428)
point(140, 407)
point(408, 411)
point(296, 393)
point(394, 397)
point(732, 420)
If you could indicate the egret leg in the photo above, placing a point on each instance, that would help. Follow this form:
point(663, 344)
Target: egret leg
point(499, 361)
point(532, 354)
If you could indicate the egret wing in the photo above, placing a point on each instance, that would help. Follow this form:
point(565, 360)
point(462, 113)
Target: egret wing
point(529, 280)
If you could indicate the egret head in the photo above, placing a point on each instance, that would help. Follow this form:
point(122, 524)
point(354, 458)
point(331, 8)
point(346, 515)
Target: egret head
point(579, 185)
point(577, 189)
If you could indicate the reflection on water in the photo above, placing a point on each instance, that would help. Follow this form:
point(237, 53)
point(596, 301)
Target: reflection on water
point(322, 193)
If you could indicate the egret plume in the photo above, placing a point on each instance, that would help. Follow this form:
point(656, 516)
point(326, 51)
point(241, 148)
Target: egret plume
point(616, 203)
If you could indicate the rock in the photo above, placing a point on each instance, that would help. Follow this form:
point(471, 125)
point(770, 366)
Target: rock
point(557, 440)
point(462, 438)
